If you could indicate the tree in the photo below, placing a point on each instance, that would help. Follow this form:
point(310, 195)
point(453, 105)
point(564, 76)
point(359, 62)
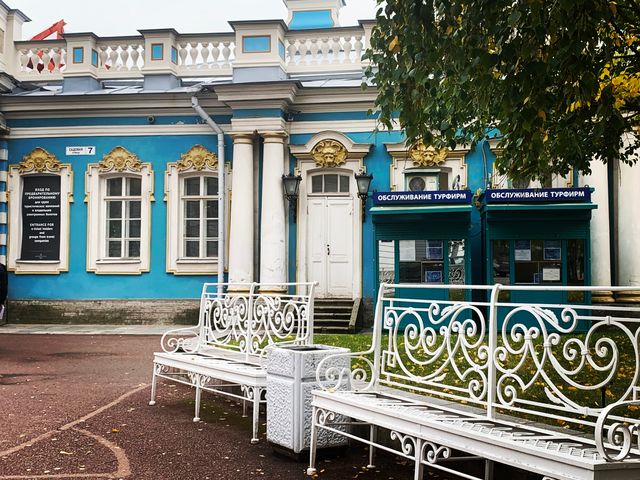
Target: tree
point(560, 79)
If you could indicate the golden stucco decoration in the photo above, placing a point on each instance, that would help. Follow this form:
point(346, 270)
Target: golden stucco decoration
point(119, 160)
point(329, 153)
point(197, 158)
point(40, 161)
point(427, 156)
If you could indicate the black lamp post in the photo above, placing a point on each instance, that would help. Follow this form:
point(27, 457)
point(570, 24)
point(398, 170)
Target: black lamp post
point(363, 180)
point(291, 185)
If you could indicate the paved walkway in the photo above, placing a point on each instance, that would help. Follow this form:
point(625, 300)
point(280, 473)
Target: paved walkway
point(76, 406)
point(52, 329)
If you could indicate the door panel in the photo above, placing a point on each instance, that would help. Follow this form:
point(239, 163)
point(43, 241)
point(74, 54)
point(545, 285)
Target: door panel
point(317, 242)
point(340, 241)
point(330, 241)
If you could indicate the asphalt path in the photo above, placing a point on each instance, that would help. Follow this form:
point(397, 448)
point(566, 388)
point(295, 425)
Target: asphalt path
point(75, 407)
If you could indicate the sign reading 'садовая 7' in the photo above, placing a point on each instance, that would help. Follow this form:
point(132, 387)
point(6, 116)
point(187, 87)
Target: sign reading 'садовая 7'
point(538, 195)
point(432, 197)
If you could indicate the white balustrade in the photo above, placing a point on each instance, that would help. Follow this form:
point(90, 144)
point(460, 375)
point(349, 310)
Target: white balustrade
point(120, 57)
point(198, 55)
point(335, 50)
point(206, 55)
point(41, 60)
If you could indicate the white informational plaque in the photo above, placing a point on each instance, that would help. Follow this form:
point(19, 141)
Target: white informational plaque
point(407, 250)
point(551, 275)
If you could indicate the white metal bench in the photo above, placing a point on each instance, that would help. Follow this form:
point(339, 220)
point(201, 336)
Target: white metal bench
point(225, 352)
point(493, 380)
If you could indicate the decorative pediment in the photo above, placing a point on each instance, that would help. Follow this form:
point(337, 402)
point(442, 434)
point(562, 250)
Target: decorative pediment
point(329, 153)
point(427, 156)
point(120, 160)
point(39, 161)
point(330, 149)
point(198, 158)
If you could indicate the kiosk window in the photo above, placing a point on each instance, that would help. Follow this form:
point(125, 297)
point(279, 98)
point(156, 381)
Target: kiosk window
point(427, 261)
point(575, 268)
point(386, 261)
point(538, 261)
point(456, 262)
point(501, 270)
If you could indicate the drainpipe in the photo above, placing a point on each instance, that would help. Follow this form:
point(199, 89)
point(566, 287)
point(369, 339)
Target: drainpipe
point(221, 189)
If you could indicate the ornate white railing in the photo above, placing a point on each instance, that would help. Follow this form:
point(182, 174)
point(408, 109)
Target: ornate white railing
point(206, 55)
point(247, 318)
point(332, 50)
point(339, 49)
point(120, 57)
point(41, 60)
point(576, 365)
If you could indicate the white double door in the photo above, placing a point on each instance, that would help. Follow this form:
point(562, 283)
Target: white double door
point(330, 239)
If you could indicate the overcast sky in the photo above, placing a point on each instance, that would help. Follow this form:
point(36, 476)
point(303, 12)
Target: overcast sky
point(125, 17)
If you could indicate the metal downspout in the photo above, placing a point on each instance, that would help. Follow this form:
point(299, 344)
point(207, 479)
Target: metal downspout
point(221, 190)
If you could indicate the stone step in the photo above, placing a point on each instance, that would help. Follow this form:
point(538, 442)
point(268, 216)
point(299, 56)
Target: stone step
point(328, 308)
point(332, 315)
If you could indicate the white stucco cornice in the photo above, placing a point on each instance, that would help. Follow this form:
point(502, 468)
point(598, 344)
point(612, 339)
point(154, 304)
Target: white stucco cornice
point(94, 105)
point(355, 150)
point(257, 95)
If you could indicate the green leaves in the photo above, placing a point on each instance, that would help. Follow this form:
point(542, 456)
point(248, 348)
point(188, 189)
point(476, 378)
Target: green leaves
point(460, 67)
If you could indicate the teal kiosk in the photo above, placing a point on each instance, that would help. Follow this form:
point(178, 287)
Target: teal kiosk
point(423, 237)
point(536, 237)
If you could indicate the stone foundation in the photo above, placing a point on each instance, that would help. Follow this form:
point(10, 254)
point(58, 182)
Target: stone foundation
point(104, 312)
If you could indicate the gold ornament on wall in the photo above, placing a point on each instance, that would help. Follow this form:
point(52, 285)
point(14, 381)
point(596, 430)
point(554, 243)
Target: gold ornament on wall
point(119, 160)
point(197, 158)
point(329, 153)
point(427, 156)
point(40, 161)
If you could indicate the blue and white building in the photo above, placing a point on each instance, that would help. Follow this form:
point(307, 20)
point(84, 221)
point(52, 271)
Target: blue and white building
point(133, 169)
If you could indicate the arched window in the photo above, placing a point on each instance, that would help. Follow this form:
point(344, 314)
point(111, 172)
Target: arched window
point(119, 192)
point(192, 195)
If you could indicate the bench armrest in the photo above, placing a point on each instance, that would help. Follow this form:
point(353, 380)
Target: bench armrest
point(186, 339)
point(617, 435)
point(347, 371)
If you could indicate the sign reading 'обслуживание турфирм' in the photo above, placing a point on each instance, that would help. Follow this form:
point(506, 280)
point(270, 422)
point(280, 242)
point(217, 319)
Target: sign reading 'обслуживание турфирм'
point(538, 195)
point(422, 198)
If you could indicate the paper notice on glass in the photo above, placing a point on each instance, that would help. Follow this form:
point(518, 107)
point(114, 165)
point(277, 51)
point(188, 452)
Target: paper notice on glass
point(522, 251)
point(550, 274)
point(407, 250)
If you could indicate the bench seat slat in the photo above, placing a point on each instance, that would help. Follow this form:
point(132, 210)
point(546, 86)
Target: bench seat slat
point(523, 446)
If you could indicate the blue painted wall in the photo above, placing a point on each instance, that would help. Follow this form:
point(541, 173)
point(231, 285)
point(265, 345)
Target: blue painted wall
point(311, 19)
point(80, 284)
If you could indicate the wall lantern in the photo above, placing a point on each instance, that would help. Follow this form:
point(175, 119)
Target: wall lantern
point(291, 185)
point(363, 180)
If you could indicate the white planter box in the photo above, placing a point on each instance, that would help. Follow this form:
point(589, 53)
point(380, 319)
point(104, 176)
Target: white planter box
point(291, 376)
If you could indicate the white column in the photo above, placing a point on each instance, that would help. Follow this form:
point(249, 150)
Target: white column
point(273, 245)
point(241, 229)
point(628, 232)
point(600, 239)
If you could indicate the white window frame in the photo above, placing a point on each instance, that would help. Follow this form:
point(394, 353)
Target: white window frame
point(197, 162)
point(124, 199)
point(118, 163)
point(38, 162)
